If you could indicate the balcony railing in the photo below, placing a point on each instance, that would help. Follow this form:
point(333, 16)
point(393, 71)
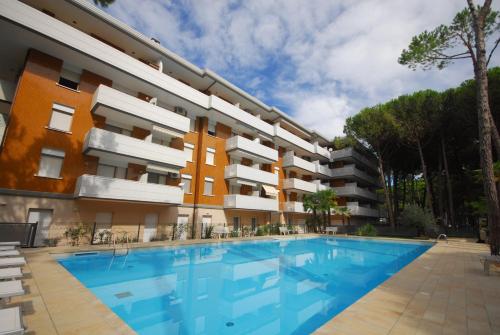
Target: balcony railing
point(350, 154)
point(238, 201)
point(294, 207)
point(293, 162)
point(299, 185)
point(243, 147)
point(351, 171)
point(293, 139)
point(126, 109)
point(238, 171)
point(90, 186)
point(354, 191)
point(103, 143)
point(322, 170)
point(357, 210)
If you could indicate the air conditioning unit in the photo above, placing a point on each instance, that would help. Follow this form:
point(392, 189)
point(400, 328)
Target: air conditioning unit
point(173, 175)
point(180, 110)
point(153, 101)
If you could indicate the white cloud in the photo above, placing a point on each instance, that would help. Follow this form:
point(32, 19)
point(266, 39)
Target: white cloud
point(322, 60)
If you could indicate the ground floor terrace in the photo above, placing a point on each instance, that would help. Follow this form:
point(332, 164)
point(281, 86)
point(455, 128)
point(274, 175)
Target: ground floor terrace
point(143, 222)
point(443, 291)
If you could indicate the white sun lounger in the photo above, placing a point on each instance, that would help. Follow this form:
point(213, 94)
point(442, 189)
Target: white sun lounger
point(10, 243)
point(9, 253)
point(12, 261)
point(284, 231)
point(11, 321)
point(10, 288)
point(7, 247)
point(10, 273)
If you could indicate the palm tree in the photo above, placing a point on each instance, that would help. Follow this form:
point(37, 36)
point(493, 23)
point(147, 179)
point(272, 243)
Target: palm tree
point(311, 203)
point(343, 211)
point(328, 201)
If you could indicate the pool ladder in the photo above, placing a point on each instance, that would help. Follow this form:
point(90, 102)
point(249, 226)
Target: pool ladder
point(442, 236)
point(126, 243)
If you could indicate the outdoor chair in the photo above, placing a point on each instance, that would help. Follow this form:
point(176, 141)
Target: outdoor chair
point(11, 322)
point(10, 273)
point(488, 261)
point(9, 253)
point(10, 289)
point(284, 231)
point(11, 243)
point(332, 230)
point(12, 261)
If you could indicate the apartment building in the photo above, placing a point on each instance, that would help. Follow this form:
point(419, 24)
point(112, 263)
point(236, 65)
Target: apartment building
point(101, 124)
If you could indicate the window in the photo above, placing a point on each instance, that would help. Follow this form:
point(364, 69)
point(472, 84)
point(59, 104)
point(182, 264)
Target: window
point(254, 224)
point(209, 186)
point(210, 159)
point(211, 128)
point(186, 183)
point(61, 117)
point(111, 171)
point(118, 130)
point(236, 223)
point(69, 78)
point(188, 150)
point(156, 178)
point(51, 161)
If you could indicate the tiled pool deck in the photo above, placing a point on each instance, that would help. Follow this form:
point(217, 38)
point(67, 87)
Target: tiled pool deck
point(444, 291)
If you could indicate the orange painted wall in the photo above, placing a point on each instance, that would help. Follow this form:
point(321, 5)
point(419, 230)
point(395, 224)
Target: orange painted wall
point(27, 133)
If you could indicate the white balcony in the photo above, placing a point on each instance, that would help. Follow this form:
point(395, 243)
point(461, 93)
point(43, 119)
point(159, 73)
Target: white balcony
point(294, 207)
point(352, 155)
point(240, 115)
point(321, 187)
point(238, 201)
point(126, 109)
point(89, 186)
point(322, 170)
point(293, 140)
point(353, 191)
point(238, 171)
point(323, 152)
point(357, 210)
point(297, 164)
point(350, 171)
point(240, 146)
point(299, 185)
point(109, 145)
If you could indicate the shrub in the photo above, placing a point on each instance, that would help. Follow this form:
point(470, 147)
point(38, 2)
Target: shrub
point(75, 234)
point(367, 230)
point(235, 233)
point(208, 232)
point(420, 218)
point(261, 231)
point(274, 228)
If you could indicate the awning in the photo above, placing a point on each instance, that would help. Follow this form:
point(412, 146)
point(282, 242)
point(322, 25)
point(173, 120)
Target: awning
point(165, 133)
point(160, 169)
point(244, 182)
point(270, 191)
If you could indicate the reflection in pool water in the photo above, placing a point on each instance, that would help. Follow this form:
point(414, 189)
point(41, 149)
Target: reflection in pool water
point(259, 287)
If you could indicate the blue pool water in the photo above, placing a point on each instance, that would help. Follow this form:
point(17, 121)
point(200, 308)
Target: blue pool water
point(259, 287)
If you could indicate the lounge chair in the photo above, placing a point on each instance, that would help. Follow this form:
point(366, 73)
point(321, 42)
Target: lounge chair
point(7, 247)
point(15, 243)
point(10, 288)
point(10, 273)
point(332, 230)
point(488, 261)
point(12, 261)
point(284, 231)
point(9, 253)
point(11, 321)
point(221, 231)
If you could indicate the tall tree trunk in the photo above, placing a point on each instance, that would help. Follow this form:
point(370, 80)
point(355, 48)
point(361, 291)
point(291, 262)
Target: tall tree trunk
point(315, 220)
point(484, 122)
point(451, 206)
point(329, 216)
point(428, 194)
point(495, 137)
point(440, 192)
point(396, 194)
point(413, 191)
point(403, 202)
point(390, 213)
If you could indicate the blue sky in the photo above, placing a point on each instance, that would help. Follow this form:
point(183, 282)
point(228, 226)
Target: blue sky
point(318, 60)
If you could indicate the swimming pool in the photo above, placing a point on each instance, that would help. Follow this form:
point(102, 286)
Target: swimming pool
point(255, 287)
